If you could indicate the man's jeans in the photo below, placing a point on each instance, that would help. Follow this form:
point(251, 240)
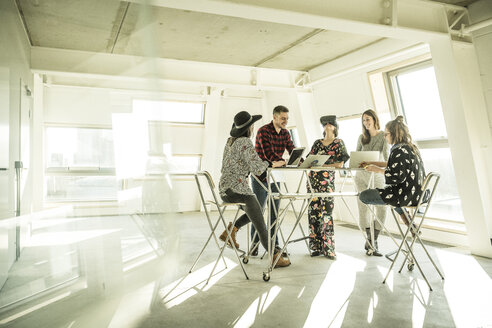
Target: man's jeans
point(373, 197)
point(261, 194)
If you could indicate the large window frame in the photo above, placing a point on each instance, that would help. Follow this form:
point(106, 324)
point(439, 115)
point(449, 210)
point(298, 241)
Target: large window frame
point(151, 117)
point(74, 171)
point(396, 108)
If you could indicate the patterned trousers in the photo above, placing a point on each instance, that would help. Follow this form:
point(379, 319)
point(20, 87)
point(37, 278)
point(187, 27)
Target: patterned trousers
point(321, 229)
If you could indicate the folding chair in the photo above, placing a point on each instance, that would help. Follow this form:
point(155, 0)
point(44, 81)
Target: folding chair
point(412, 213)
point(221, 207)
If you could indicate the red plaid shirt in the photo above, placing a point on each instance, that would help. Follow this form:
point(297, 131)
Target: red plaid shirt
point(271, 145)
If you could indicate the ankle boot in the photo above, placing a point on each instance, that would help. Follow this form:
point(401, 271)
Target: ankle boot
point(223, 236)
point(376, 251)
point(281, 261)
point(367, 247)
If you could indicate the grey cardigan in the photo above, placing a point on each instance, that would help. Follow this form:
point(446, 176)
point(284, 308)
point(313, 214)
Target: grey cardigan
point(376, 143)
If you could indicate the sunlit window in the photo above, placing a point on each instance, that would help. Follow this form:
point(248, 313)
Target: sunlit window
point(420, 103)
point(80, 188)
point(176, 164)
point(349, 130)
point(169, 111)
point(79, 164)
point(416, 97)
point(294, 136)
point(79, 147)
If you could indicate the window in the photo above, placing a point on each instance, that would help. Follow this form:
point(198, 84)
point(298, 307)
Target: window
point(349, 130)
point(177, 164)
point(79, 164)
point(168, 111)
point(294, 136)
point(415, 96)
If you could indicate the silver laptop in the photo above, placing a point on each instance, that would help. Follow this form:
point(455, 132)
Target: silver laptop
point(314, 160)
point(357, 157)
point(295, 157)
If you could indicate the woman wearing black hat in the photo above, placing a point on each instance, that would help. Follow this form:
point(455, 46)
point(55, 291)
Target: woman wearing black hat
point(321, 229)
point(239, 160)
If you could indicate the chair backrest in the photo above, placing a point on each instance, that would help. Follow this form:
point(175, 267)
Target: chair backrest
point(204, 191)
point(428, 189)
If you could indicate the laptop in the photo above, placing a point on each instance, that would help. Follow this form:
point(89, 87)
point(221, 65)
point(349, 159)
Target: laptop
point(314, 160)
point(357, 157)
point(295, 157)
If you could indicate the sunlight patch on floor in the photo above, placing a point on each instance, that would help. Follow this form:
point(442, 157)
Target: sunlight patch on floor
point(180, 290)
point(421, 293)
point(259, 306)
point(133, 307)
point(330, 303)
point(390, 281)
point(468, 289)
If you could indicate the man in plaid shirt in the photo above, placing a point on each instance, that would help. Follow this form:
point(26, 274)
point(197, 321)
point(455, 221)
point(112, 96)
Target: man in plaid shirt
point(272, 140)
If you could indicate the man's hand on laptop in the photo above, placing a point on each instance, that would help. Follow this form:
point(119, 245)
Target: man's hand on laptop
point(278, 163)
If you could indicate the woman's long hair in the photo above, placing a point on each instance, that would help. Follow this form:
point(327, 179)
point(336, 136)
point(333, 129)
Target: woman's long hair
point(366, 137)
point(400, 134)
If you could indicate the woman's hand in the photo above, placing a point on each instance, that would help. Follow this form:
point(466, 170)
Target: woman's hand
point(278, 163)
point(374, 168)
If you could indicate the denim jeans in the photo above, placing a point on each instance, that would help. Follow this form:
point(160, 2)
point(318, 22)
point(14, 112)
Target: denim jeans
point(373, 197)
point(262, 194)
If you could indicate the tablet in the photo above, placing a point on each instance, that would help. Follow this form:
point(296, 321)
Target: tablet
point(295, 157)
point(357, 157)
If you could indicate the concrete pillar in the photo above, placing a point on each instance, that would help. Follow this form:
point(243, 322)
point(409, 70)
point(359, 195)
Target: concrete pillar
point(308, 119)
point(37, 144)
point(469, 136)
point(212, 155)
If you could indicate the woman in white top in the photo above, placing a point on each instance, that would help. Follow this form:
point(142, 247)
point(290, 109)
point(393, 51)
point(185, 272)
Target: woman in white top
point(371, 139)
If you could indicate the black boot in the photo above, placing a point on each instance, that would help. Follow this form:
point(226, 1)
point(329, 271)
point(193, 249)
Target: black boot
point(367, 247)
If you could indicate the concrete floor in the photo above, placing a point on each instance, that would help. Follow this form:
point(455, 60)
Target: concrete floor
point(128, 272)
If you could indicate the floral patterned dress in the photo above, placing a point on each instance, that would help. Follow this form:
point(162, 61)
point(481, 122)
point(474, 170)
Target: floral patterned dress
point(320, 211)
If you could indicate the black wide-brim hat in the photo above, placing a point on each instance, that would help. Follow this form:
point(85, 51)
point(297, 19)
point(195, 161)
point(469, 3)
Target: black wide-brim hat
point(242, 122)
point(329, 119)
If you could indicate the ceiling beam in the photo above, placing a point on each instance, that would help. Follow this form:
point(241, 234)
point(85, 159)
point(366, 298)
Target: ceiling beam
point(117, 25)
point(288, 47)
point(103, 66)
point(417, 20)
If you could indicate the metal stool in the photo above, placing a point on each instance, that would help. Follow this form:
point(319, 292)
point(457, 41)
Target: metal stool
point(221, 207)
point(428, 189)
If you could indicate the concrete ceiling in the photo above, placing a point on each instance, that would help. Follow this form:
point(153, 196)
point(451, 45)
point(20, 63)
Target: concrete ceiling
point(121, 27)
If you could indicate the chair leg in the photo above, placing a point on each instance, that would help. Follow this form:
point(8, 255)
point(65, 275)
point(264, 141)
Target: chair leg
point(212, 234)
point(417, 237)
point(221, 212)
point(410, 252)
